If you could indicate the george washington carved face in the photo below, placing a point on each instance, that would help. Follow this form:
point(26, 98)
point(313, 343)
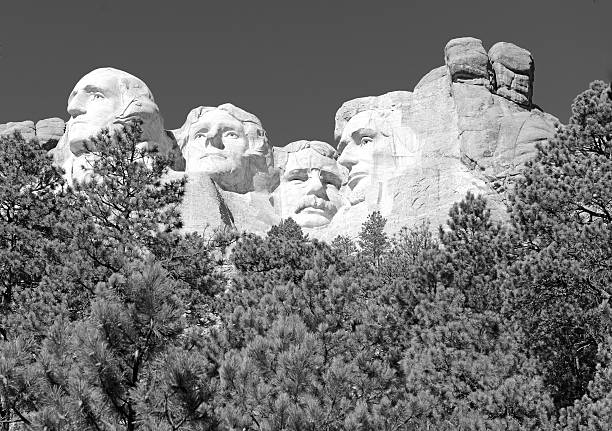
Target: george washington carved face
point(107, 98)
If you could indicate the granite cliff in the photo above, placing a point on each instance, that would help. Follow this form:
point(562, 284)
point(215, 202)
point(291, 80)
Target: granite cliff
point(468, 125)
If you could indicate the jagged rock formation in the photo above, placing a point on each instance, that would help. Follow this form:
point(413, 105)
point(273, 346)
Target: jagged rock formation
point(514, 69)
point(474, 133)
point(47, 131)
point(469, 125)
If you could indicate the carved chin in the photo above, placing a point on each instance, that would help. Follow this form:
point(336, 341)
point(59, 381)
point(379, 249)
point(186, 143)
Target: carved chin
point(311, 217)
point(83, 131)
point(213, 165)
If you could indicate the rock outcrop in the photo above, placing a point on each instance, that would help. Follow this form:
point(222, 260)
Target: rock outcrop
point(514, 72)
point(47, 131)
point(475, 132)
point(26, 128)
point(467, 61)
point(469, 125)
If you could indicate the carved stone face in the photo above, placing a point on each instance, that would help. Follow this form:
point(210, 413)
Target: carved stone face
point(309, 188)
point(94, 103)
point(375, 146)
point(216, 144)
point(107, 98)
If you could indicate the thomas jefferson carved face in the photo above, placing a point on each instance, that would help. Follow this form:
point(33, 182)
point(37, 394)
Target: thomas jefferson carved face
point(216, 144)
point(310, 183)
point(375, 146)
point(226, 143)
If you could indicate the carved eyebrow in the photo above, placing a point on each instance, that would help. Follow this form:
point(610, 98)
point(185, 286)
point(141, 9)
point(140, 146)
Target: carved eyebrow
point(332, 177)
point(362, 132)
point(225, 128)
point(94, 89)
point(88, 89)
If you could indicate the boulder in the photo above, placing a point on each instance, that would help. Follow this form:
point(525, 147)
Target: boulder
point(49, 131)
point(514, 72)
point(471, 137)
point(26, 128)
point(467, 61)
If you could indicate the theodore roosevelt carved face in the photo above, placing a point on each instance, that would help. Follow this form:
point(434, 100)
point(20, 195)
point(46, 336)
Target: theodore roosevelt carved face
point(375, 146)
point(309, 185)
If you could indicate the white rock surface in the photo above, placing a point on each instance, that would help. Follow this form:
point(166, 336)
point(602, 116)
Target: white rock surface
point(26, 128)
point(227, 143)
point(206, 206)
point(469, 125)
point(467, 61)
point(514, 72)
point(310, 182)
point(49, 131)
point(107, 98)
point(470, 139)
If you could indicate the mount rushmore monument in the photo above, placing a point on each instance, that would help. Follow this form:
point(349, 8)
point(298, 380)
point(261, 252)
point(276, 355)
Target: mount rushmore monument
point(469, 125)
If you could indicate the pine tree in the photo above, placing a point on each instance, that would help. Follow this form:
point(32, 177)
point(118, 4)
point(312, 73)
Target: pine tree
point(373, 240)
point(344, 245)
point(476, 253)
point(291, 351)
point(466, 370)
point(95, 360)
point(561, 211)
point(32, 202)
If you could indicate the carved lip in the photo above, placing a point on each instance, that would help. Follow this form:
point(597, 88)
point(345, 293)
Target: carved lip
point(315, 204)
point(213, 154)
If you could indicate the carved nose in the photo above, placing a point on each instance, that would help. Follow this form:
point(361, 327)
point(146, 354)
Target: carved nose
point(76, 107)
point(348, 157)
point(315, 185)
point(215, 140)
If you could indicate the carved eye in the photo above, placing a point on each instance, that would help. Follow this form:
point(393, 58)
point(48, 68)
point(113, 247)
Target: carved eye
point(98, 96)
point(231, 134)
point(365, 140)
point(200, 134)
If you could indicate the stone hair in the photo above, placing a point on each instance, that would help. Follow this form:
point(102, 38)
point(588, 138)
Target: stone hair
point(258, 140)
point(136, 98)
point(322, 148)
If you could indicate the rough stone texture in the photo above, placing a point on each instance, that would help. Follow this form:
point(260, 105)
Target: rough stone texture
point(514, 72)
point(471, 140)
point(310, 181)
point(49, 131)
point(106, 98)
point(206, 207)
point(468, 125)
point(26, 128)
point(227, 143)
point(467, 61)
point(391, 100)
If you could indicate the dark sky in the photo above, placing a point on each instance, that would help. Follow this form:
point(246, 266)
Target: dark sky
point(290, 63)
